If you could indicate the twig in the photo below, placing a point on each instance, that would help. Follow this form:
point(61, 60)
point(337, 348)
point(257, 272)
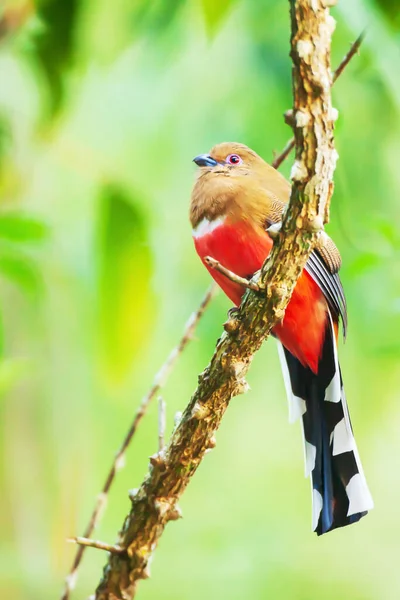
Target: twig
point(87, 543)
point(278, 160)
point(345, 61)
point(214, 264)
point(158, 383)
point(224, 377)
point(161, 423)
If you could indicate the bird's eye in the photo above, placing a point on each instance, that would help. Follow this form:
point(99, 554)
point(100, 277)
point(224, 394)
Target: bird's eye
point(233, 159)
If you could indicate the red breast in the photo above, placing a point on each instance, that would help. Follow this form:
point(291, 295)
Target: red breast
point(242, 248)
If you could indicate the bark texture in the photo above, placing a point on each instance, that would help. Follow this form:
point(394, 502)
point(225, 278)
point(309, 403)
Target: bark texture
point(155, 503)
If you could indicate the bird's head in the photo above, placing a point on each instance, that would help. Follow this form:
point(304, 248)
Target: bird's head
point(230, 159)
point(234, 180)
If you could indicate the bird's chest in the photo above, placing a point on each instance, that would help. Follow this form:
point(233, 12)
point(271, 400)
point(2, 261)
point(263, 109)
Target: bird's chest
point(237, 246)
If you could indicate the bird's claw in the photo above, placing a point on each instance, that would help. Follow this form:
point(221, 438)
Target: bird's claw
point(232, 312)
point(232, 324)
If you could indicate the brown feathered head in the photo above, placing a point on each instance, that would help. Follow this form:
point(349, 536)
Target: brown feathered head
point(234, 180)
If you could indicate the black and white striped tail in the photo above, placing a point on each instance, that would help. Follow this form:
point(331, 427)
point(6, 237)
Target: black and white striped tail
point(340, 495)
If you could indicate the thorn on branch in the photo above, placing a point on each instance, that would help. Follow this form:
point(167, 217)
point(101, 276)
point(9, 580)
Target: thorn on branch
point(315, 224)
point(157, 460)
point(145, 574)
point(175, 514)
point(199, 411)
point(163, 507)
point(289, 118)
point(241, 387)
point(133, 493)
point(237, 368)
point(214, 264)
point(211, 443)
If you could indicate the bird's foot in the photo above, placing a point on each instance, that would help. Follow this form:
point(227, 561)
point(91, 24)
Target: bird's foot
point(232, 312)
point(232, 324)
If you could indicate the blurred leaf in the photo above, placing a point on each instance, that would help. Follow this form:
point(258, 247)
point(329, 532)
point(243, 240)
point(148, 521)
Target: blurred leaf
point(214, 13)
point(391, 10)
point(54, 44)
point(156, 16)
point(21, 270)
point(126, 302)
point(17, 227)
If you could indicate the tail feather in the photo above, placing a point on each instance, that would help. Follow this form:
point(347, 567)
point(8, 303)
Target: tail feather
point(340, 494)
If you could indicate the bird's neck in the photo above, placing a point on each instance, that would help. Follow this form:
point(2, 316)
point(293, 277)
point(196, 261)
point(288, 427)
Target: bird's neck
point(217, 198)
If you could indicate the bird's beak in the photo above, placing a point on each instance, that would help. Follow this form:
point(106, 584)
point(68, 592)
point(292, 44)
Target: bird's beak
point(205, 160)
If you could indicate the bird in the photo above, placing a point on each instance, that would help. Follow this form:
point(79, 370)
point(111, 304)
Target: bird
point(236, 198)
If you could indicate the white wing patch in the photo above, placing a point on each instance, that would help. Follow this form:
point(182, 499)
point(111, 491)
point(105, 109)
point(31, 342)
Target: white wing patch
point(206, 226)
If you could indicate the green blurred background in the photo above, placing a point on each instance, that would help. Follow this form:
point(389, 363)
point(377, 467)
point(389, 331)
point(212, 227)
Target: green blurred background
point(102, 107)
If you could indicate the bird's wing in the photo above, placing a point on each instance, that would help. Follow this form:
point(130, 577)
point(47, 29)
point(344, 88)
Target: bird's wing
point(329, 253)
point(330, 285)
point(325, 246)
point(323, 266)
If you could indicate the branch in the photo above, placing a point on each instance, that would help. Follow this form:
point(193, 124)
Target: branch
point(82, 541)
point(278, 160)
point(352, 52)
point(153, 506)
point(159, 381)
point(246, 283)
